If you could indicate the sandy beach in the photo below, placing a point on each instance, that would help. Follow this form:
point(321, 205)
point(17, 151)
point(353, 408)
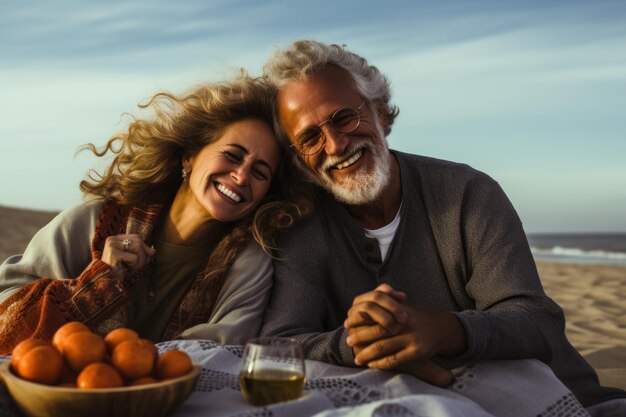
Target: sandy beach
point(592, 296)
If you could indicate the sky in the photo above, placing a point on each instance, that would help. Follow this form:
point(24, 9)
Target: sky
point(532, 93)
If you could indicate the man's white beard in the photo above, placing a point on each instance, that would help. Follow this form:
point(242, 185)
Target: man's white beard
point(360, 187)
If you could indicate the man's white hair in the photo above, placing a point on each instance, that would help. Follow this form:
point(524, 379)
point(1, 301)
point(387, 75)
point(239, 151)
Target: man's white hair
point(305, 57)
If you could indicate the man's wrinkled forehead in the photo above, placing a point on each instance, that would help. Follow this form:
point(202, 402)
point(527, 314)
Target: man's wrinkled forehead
point(302, 101)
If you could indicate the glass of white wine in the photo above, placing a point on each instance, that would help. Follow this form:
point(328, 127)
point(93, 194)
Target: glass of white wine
point(272, 370)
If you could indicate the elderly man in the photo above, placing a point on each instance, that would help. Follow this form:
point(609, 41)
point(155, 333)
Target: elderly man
point(409, 263)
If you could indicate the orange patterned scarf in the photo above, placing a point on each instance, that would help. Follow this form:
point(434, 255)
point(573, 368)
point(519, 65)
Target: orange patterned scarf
point(98, 297)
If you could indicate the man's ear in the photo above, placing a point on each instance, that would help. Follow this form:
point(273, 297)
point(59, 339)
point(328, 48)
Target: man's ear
point(381, 112)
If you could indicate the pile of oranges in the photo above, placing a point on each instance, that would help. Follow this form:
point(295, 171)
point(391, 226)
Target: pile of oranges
point(80, 358)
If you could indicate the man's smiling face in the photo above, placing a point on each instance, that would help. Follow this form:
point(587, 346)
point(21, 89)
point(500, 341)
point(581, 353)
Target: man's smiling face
point(353, 166)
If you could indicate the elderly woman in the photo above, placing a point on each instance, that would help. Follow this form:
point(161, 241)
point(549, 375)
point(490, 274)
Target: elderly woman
point(175, 237)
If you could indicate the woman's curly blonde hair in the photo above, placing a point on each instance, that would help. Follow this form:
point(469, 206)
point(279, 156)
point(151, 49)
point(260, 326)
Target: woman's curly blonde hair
point(147, 156)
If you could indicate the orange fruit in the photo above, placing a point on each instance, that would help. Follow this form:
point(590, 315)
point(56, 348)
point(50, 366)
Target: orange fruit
point(143, 381)
point(98, 375)
point(64, 331)
point(21, 348)
point(132, 359)
point(117, 336)
point(82, 348)
point(148, 344)
point(173, 364)
point(42, 364)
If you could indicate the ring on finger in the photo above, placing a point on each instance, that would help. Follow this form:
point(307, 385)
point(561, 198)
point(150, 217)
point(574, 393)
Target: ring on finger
point(125, 244)
point(394, 361)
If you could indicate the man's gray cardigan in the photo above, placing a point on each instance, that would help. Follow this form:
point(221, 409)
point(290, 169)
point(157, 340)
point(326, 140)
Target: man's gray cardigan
point(460, 246)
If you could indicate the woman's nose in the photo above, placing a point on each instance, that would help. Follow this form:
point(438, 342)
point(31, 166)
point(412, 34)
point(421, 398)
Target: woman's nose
point(240, 175)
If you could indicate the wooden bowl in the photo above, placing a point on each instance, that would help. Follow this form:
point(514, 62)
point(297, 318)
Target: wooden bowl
point(37, 400)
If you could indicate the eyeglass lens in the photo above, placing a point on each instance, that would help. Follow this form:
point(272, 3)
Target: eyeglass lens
point(344, 120)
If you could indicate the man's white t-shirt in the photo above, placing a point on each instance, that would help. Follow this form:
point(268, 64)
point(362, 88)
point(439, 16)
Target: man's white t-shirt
point(385, 234)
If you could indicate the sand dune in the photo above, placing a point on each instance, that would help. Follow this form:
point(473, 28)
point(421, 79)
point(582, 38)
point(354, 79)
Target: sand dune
point(592, 296)
point(18, 226)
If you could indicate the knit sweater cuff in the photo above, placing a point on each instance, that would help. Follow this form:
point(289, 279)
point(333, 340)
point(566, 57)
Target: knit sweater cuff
point(347, 355)
point(97, 290)
point(477, 333)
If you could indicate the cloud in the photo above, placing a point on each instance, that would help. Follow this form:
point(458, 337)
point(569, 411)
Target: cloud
point(513, 77)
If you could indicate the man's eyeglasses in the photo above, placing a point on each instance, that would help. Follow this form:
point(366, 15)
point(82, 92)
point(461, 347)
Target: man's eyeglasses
point(312, 140)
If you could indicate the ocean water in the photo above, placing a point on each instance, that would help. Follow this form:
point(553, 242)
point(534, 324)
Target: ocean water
point(601, 248)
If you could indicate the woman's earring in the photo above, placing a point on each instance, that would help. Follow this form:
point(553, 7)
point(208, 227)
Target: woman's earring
point(184, 174)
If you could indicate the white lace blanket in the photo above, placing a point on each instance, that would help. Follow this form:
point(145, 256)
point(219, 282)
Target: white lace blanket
point(493, 388)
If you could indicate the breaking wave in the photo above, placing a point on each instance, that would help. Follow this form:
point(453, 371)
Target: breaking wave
point(578, 255)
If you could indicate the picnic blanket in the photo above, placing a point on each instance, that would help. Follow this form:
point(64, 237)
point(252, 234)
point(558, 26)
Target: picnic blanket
point(507, 388)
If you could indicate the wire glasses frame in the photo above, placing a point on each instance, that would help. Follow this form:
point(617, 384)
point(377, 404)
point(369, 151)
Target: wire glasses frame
point(312, 140)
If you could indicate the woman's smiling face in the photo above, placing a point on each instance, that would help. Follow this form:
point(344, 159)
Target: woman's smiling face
point(229, 177)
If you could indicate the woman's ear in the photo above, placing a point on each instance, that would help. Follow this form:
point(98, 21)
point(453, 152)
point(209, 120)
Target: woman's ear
point(187, 162)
